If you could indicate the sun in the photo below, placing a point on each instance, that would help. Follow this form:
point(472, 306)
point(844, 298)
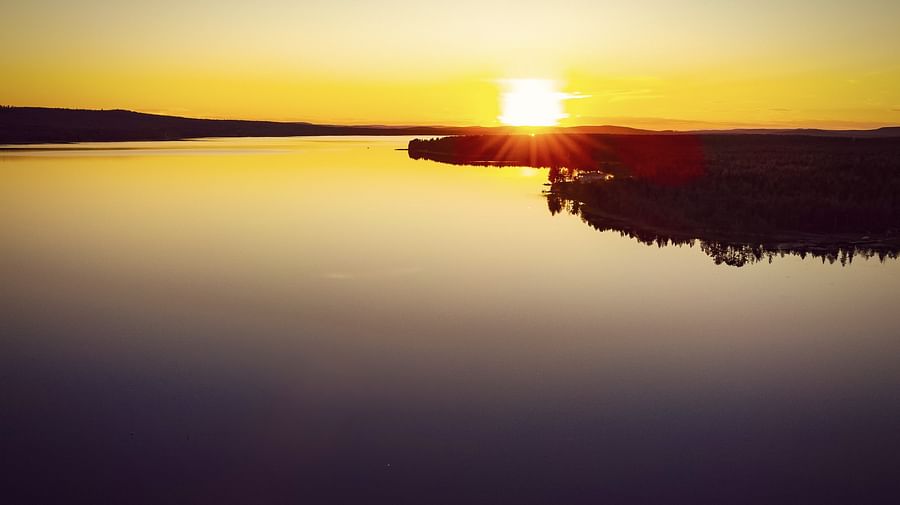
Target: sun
point(531, 102)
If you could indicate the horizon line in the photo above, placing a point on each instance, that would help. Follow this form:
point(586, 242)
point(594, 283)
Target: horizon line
point(712, 125)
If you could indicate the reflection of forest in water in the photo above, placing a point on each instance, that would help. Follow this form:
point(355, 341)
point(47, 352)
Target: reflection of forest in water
point(742, 199)
point(729, 248)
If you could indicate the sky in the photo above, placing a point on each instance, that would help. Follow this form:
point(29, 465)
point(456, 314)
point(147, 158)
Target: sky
point(654, 64)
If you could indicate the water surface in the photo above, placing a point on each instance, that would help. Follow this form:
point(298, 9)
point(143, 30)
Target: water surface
point(325, 319)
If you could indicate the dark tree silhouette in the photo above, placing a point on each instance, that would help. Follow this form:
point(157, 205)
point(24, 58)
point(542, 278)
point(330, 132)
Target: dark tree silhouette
point(745, 198)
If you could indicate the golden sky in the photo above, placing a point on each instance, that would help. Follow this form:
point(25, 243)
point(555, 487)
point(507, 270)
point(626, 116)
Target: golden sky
point(656, 64)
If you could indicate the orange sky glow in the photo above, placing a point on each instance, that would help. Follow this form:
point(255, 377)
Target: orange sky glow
point(646, 64)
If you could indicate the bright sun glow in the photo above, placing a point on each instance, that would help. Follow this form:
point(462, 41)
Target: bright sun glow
point(531, 102)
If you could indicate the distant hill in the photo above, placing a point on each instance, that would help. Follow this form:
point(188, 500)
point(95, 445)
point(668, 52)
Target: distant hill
point(23, 125)
point(38, 124)
point(884, 132)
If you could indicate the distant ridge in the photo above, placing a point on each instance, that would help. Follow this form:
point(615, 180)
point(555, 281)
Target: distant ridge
point(22, 125)
point(27, 125)
point(883, 132)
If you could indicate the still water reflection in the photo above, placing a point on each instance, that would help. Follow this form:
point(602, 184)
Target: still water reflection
point(325, 319)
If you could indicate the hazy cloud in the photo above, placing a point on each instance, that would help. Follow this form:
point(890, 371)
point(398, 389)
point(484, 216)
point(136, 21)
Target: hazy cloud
point(622, 95)
point(386, 272)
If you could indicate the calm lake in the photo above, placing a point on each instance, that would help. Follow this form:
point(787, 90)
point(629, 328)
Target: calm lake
point(325, 320)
